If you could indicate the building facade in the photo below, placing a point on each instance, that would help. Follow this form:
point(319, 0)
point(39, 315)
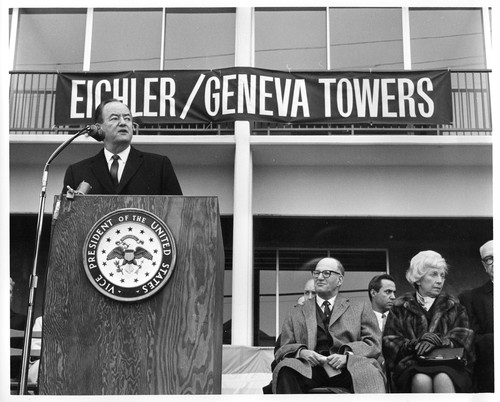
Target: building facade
point(372, 195)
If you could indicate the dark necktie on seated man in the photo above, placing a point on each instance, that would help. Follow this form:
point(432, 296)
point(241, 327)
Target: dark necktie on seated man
point(326, 310)
point(114, 170)
point(384, 318)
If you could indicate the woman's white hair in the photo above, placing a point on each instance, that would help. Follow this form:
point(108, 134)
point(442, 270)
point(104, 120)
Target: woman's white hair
point(422, 262)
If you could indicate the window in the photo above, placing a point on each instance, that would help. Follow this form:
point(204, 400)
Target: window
point(446, 38)
point(290, 39)
point(128, 39)
point(50, 39)
point(362, 38)
point(10, 20)
point(200, 39)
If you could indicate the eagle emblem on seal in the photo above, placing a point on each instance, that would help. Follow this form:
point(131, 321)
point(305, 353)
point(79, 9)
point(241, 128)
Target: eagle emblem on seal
point(128, 257)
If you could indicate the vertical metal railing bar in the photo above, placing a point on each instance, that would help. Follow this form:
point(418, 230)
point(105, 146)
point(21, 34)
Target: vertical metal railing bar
point(473, 111)
point(46, 120)
point(467, 103)
point(484, 91)
point(460, 122)
point(463, 102)
point(484, 99)
point(19, 101)
point(29, 88)
point(53, 98)
point(13, 99)
point(31, 97)
point(30, 110)
point(23, 97)
point(16, 118)
point(460, 117)
point(488, 102)
point(456, 102)
point(476, 122)
point(481, 98)
point(46, 104)
point(37, 101)
point(453, 103)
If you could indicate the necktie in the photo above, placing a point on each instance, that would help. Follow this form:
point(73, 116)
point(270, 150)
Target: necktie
point(114, 170)
point(383, 321)
point(326, 309)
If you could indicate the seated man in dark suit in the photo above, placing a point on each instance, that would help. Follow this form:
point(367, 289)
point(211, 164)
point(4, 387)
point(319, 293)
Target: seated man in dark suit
point(479, 305)
point(121, 168)
point(329, 341)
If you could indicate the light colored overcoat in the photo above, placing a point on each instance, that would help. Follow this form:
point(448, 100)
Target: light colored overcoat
point(353, 326)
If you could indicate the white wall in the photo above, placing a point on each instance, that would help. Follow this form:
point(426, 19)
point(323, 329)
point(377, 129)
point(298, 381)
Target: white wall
point(446, 191)
point(301, 179)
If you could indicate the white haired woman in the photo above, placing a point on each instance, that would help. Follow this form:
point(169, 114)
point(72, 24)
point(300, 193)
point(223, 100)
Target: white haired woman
point(424, 320)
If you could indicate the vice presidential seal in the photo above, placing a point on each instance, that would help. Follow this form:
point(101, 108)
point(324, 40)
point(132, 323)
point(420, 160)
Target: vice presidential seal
point(129, 254)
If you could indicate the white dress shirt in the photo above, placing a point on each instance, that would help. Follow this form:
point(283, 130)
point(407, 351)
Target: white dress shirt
point(381, 318)
point(320, 301)
point(121, 162)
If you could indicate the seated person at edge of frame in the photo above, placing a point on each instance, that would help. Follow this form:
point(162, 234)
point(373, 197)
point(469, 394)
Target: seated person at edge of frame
point(329, 341)
point(309, 293)
point(120, 168)
point(479, 305)
point(421, 321)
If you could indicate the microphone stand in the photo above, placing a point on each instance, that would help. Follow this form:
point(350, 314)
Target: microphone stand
point(34, 278)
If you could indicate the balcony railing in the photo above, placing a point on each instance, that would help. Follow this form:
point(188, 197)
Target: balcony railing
point(32, 100)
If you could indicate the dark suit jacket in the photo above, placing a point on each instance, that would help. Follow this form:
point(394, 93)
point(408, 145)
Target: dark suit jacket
point(353, 327)
point(144, 174)
point(479, 305)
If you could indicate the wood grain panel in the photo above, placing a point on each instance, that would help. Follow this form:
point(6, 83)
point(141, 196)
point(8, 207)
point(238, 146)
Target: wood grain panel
point(170, 343)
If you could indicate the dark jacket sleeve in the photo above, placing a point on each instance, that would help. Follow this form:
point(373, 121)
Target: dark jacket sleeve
point(478, 320)
point(69, 180)
point(170, 184)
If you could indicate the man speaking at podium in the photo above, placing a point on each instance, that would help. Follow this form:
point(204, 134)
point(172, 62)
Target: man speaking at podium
point(120, 168)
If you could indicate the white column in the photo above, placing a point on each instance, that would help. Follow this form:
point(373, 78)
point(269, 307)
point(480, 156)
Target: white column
point(242, 296)
point(14, 24)
point(487, 37)
point(88, 39)
point(242, 311)
point(406, 38)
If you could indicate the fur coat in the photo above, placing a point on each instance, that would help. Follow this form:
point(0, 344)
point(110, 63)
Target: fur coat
point(407, 323)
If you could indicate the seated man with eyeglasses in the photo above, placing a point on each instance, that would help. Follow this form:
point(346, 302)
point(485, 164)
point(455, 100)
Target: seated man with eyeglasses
point(479, 305)
point(329, 341)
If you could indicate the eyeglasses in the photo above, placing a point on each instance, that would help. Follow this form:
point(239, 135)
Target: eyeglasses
point(326, 274)
point(488, 260)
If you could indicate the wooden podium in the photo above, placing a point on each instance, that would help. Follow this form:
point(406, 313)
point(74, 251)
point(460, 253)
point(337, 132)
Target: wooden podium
point(169, 342)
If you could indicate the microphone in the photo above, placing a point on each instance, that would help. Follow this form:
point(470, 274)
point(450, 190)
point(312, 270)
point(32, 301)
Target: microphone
point(96, 132)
